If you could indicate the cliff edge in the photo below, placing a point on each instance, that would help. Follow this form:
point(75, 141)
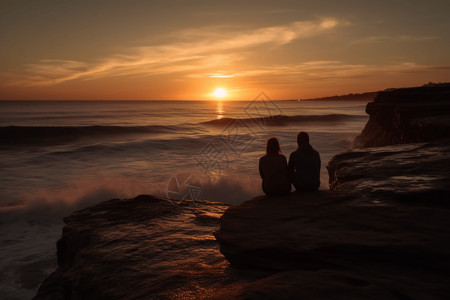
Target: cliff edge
point(408, 115)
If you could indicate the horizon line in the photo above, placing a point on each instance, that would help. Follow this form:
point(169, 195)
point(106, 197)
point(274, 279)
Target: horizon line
point(225, 100)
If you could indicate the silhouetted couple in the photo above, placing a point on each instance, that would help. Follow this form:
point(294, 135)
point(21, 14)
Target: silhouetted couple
point(303, 170)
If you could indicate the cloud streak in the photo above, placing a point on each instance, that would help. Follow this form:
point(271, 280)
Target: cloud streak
point(400, 38)
point(317, 71)
point(320, 71)
point(192, 50)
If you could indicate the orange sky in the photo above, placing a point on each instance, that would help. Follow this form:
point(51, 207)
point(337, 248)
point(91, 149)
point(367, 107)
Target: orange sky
point(184, 50)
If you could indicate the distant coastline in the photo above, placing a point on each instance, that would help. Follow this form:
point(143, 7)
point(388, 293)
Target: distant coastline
point(367, 96)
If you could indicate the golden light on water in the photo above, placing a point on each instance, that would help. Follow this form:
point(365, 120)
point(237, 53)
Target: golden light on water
point(219, 110)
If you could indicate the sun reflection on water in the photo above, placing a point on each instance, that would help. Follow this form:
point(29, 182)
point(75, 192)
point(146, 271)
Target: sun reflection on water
point(219, 110)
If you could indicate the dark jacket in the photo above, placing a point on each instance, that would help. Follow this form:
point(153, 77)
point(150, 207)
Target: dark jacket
point(304, 168)
point(274, 173)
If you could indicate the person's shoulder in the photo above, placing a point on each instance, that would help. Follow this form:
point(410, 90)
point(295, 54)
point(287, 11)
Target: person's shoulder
point(315, 151)
point(292, 157)
point(263, 158)
point(281, 156)
point(284, 158)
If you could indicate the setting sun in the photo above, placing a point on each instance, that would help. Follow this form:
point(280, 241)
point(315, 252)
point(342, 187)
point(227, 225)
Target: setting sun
point(220, 93)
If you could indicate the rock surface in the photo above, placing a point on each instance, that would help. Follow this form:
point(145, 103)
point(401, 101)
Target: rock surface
point(386, 250)
point(417, 172)
point(142, 248)
point(312, 246)
point(384, 235)
point(407, 115)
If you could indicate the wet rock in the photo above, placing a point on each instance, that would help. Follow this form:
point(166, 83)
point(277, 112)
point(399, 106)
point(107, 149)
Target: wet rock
point(417, 173)
point(312, 246)
point(143, 248)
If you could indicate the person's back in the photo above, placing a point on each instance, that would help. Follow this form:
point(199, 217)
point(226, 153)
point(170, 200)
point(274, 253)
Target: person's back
point(274, 171)
point(304, 165)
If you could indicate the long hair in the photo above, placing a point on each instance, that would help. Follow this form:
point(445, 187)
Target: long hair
point(273, 146)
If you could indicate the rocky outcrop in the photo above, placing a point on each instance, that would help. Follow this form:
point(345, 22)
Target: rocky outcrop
point(376, 195)
point(407, 115)
point(414, 172)
point(309, 246)
point(381, 233)
point(141, 248)
point(413, 126)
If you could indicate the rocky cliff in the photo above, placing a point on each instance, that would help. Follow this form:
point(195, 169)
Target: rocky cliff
point(413, 126)
point(407, 115)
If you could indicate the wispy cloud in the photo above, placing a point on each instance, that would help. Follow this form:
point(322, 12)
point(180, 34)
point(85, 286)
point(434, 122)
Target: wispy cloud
point(398, 38)
point(322, 71)
point(191, 50)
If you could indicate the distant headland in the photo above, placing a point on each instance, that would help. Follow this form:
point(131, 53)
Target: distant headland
point(367, 96)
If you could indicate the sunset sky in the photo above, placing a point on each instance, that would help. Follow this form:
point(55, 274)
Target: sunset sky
point(185, 50)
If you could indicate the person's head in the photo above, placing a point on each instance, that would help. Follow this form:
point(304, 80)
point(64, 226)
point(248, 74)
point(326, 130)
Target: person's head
point(273, 146)
point(302, 138)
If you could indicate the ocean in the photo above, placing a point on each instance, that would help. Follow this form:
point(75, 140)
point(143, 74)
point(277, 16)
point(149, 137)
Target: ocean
point(60, 156)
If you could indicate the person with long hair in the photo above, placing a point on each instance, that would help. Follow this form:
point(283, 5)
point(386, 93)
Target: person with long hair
point(273, 169)
point(304, 165)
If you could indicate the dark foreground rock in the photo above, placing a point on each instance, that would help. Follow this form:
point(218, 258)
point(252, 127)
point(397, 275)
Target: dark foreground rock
point(409, 115)
point(309, 246)
point(142, 248)
point(334, 245)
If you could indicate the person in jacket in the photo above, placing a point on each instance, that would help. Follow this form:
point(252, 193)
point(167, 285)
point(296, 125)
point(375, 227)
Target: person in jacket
point(304, 165)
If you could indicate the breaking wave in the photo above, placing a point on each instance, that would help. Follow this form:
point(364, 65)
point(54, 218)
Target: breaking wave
point(282, 120)
point(63, 134)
